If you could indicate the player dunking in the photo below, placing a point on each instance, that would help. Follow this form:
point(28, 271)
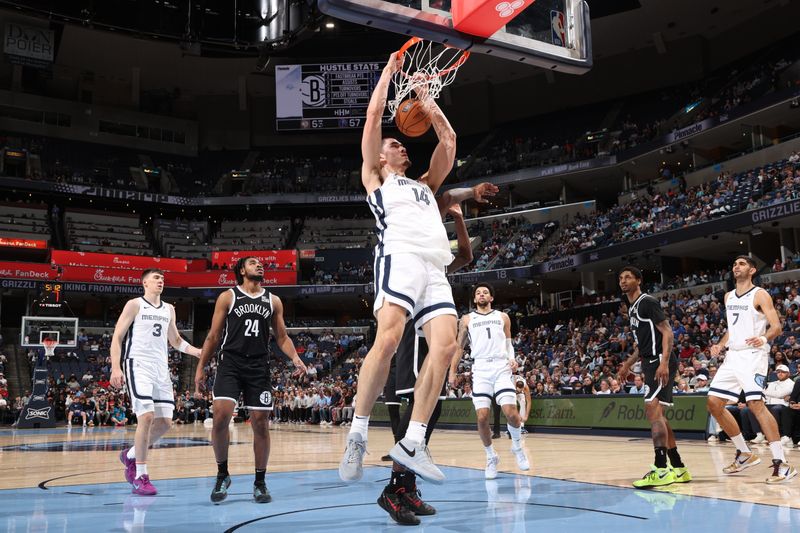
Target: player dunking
point(139, 358)
point(241, 321)
point(748, 312)
point(654, 341)
point(401, 498)
point(488, 332)
point(410, 281)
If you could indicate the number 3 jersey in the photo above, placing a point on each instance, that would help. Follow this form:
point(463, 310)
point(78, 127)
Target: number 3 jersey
point(247, 325)
point(408, 220)
point(147, 336)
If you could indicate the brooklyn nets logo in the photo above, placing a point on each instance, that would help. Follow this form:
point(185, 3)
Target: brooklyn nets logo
point(265, 398)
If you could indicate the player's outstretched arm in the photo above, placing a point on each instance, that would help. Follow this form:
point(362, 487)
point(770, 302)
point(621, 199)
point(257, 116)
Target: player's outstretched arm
point(213, 338)
point(464, 255)
point(445, 152)
point(372, 136)
point(451, 197)
point(124, 322)
point(461, 342)
point(175, 339)
point(763, 302)
point(282, 338)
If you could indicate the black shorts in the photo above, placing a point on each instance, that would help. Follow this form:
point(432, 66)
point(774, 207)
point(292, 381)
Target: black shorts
point(409, 360)
point(660, 391)
point(247, 376)
point(390, 396)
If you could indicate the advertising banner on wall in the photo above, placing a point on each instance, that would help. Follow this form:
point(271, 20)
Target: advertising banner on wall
point(284, 259)
point(138, 262)
point(29, 46)
point(12, 242)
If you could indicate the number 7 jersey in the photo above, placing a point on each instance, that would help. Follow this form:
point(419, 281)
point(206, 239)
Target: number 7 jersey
point(247, 324)
point(147, 336)
point(408, 220)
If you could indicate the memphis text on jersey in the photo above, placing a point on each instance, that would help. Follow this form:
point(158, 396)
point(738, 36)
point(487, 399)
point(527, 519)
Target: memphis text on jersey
point(485, 323)
point(157, 318)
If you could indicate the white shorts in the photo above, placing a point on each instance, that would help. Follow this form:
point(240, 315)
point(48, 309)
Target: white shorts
point(415, 284)
point(491, 380)
point(150, 387)
point(743, 370)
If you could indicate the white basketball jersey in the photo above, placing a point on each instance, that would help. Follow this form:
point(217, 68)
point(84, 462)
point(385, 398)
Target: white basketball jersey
point(487, 336)
point(147, 337)
point(408, 220)
point(744, 320)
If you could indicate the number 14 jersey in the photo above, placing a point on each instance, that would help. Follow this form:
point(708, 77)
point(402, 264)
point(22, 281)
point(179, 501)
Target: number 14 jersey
point(247, 324)
point(408, 220)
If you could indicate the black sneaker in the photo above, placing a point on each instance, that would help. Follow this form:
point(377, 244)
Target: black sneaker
point(261, 493)
point(392, 503)
point(411, 499)
point(386, 457)
point(220, 491)
point(495, 435)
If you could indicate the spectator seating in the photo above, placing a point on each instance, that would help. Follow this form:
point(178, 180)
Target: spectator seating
point(28, 221)
point(91, 231)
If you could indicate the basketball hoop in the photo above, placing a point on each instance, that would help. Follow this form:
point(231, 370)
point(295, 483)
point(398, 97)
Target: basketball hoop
point(49, 347)
point(426, 69)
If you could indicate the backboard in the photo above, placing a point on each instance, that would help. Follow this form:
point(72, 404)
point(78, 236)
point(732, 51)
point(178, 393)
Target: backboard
point(552, 34)
point(37, 328)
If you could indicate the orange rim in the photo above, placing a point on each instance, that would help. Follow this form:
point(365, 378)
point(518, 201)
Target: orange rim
point(416, 40)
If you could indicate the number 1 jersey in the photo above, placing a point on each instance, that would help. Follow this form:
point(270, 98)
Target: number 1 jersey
point(247, 325)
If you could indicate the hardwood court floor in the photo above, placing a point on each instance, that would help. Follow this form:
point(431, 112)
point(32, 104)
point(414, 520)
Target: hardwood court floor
point(579, 473)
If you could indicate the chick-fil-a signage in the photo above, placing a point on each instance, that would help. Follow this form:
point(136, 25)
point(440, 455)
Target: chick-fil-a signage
point(94, 259)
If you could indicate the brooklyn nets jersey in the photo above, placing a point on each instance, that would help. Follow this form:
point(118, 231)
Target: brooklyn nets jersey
point(487, 336)
point(408, 220)
point(744, 320)
point(247, 325)
point(147, 336)
point(644, 314)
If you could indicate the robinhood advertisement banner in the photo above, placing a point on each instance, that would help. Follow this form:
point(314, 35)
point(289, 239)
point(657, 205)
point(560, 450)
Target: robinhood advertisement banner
point(600, 412)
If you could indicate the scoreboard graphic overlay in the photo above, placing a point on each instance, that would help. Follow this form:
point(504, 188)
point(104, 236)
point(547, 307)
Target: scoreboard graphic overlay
point(324, 96)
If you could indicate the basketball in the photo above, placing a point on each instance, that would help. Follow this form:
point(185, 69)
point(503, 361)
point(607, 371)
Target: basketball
point(411, 118)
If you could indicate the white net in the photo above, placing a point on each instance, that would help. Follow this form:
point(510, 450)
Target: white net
point(49, 347)
point(428, 67)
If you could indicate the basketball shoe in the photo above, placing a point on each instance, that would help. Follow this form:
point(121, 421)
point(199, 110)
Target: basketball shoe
point(682, 475)
point(521, 457)
point(130, 465)
point(143, 487)
point(412, 497)
point(261, 493)
point(351, 468)
point(220, 491)
point(741, 462)
point(656, 477)
point(392, 502)
point(417, 458)
point(491, 467)
point(781, 472)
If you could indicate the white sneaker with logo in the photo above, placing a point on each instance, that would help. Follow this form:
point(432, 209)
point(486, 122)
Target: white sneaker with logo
point(417, 458)
point(491, 466)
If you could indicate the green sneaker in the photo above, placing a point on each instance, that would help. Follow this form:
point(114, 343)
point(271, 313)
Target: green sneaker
point(656, 477)
point(682, 475)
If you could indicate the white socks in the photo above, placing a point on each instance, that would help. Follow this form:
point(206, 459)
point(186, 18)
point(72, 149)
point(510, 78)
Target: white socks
point(141, 470)
point(777, 450)
point(515, 435)
point(360, 425)
point(741, 445)
point(416, 432)
point(131, 454)
point(489, 451)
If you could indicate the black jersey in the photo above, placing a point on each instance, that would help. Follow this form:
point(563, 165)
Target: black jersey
point(644, 314)
point(247, 325)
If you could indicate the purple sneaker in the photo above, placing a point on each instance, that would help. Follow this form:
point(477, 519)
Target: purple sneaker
point(143, 487)
point(130, 465)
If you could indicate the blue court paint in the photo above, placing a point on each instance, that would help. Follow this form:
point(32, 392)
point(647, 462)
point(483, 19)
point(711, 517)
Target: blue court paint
point(319, 501)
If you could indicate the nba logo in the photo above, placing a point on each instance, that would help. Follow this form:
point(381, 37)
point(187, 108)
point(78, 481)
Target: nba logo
point(558, 27)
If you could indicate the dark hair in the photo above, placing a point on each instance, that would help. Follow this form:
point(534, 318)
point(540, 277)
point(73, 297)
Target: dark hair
point(149, 271)
point(239, 266)
point(635, 272)
point(750, 261)
point(483, 284)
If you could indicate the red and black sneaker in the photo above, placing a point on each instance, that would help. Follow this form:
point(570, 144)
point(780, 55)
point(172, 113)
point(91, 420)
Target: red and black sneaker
point(412, 500)
point(392, 503)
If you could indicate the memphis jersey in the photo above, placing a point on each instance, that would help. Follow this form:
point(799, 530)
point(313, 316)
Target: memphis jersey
point(744, 320)
point(487, 335)
point(408, 220)
point(147, 336)
point(247, 324)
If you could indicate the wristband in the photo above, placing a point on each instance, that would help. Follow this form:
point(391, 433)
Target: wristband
point(184, 345)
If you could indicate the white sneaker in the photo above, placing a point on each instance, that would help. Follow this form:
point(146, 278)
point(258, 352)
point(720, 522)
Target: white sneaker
point(351, 468)
point(786, 441)
point(417, 458)
point(491, 466)
point(522, 459)
point(712, 438)
point(759, 439)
